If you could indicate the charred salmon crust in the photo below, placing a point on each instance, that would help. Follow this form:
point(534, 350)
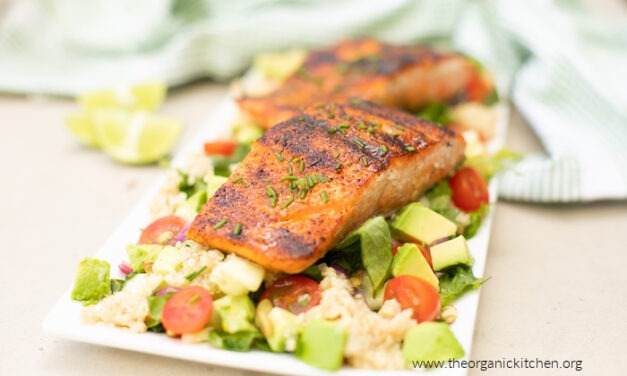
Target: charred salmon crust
point(399, 76)
point(311, 180)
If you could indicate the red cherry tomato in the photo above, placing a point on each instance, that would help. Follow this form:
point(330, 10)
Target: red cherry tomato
point(469, 188)
point(296, 293)
point(416, 294)
point(162, 230)
point(423, 249)
point(187, 311)
point(225, 148)
point(477, 88)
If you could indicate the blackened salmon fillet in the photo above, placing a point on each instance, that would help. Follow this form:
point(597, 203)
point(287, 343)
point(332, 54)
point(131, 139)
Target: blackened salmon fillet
point(311, 180)
point(406, 77)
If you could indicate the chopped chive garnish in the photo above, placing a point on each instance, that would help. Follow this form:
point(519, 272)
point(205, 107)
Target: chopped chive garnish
point(220, 224)
point(338, 165)
point(344, 125)
point(310, 181)
point(279, 156)
point(190, 277)
point(301, 168)
point(370, 130)
point(394, 134)
point(384, 148)
point(358, 142)
point(238, 229)
point(270, 191)
point(239, 180)
point(290, 178)
point(400, 128)
point(356, 101)
point(336, 155)
point(364, 161)
point(287, 203)
point(346, 116)
point(375, 123)
point(321, 178)
point(194, 299)
point(290, 171)
point(295, 160)
point(362, 126)
point(301, 119)
point(332, 130)
point(302, 194)
point(343, 131)
point(273, 201)
point(266, 180)
point(331, 115)
point(410, 148)
point(314, 179)
point(324, 196)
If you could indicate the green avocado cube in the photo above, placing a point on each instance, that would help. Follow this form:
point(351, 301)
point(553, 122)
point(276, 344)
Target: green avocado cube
point(138, 254)
point(410, 261)
point(449, 253)
point(417, 223)
point(431, 341)
point(92, 281)
point(236, 313)
point(322, 344)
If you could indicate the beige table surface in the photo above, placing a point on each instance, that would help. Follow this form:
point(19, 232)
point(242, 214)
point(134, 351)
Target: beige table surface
point(557, 289)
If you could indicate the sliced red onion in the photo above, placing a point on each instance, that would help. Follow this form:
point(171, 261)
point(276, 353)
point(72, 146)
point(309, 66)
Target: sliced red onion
point(441, 240)
point(180, 237)
point(166, 290)
point(125, 268)
point(340, 270)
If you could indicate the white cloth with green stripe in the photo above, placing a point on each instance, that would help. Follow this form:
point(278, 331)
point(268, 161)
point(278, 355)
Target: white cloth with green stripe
point(563, 69)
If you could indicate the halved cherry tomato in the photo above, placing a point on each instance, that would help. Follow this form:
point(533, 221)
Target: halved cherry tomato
point(423, 249)
point(469, 188)
point(296, 293)
point(478, 88)
point(187, 311)
point(226, 148)
point(162, 230)
point(415, 293)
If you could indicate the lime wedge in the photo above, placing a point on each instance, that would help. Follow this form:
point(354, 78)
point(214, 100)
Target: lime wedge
point(279, 65)
point(135, 137)
point(147, 96)
point(81, 126)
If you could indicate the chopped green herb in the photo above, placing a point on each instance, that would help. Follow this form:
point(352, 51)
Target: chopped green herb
point(310, 181)
point(356, 101)
point(279, 156)
point(301, 119)
point(266, 180)
point(220, 224)
point(301, 168)
point(314, 179)
point(410, 148)
point(287, 203)
point(331, 115)
point(289, 169)
point(394, 134)
point(338, 165)
point(344, 125)
point(238, 228)
point(302, 194)
point(400, 128)
point(290, 178)
point(273, 201)
point(332, 130)
point(324, 196)
point(190, 277)
point(270, 191)
point(370, 130)
point(335, 155)
point(384, 148)
point(194, 299)
point(364, 161)
point(358, 142)
point(346, 116)
point(343, 131)
point(375, 123)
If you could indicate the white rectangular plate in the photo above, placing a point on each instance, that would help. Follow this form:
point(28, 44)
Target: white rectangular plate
point(64, 319)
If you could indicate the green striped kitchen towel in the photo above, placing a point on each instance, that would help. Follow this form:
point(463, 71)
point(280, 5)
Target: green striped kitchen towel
point(563, 68)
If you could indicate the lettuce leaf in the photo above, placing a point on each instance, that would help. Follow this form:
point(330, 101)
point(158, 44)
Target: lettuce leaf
point(457, 282)
point(374, 241)
point(155, 309)
point(240, 341)
point(476, 218)
point(490, 165)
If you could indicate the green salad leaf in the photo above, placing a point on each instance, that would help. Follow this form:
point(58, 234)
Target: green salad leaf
point(92, 281)
point(117, 285)
point(222, 165)
point(456, 282)
point(436, 112)
point(240, 341)
point(476, 218)
point(155, 307)
point(190, 186)
point(490, 165)
point(374, 241)
point(138, 254)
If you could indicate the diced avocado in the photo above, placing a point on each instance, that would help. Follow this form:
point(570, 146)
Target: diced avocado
point(279, 326)
point(410, 261)
point(92, 281)
point(374, 297)
point(142, 284)
point(168, 261)
point(138, 254)
point(214, 184)
point(416, 222)
point(236, 313)
point(237, 276)
point(322, 344)
point(190, 208)
point(431, 341)
point(449, 253)
point(246, 132)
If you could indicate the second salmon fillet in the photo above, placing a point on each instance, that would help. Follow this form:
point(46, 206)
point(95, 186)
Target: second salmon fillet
point(313, 179)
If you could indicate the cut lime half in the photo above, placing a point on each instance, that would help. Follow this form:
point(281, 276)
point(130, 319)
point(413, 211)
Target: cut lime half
point(135, 137)
point(81, 126)
point(147, 97)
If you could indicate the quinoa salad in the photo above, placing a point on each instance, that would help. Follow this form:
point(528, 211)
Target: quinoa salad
point(332, 314)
